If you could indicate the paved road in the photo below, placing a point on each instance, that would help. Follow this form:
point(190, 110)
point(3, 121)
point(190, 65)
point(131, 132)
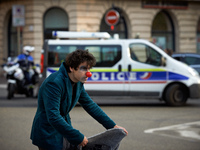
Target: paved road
point(151, 124)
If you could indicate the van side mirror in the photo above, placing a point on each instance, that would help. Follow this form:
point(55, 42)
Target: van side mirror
point(163, 61)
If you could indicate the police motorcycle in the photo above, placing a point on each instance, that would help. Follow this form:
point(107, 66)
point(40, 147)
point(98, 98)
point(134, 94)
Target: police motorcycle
point(16, 80)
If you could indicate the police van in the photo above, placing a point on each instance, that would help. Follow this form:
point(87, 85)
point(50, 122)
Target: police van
point(125, 67)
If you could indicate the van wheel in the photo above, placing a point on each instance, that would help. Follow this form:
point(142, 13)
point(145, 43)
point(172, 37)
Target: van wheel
point(176, 95)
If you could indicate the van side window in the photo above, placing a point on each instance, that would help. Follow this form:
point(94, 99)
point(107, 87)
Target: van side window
point(145, 54)
point(58, 53)
point(106, 56)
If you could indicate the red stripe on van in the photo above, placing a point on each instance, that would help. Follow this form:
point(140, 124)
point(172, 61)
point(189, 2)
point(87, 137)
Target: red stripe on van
point(126, 82)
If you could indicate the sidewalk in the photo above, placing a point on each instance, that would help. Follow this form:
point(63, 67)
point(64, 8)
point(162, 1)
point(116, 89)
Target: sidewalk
point(3, 82)
point(2, 79)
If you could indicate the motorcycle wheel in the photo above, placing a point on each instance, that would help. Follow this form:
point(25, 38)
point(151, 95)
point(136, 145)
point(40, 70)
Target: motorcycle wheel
point(11, 90)
point(29, 92)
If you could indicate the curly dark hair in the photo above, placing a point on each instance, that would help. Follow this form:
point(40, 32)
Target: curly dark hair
point(77, 57)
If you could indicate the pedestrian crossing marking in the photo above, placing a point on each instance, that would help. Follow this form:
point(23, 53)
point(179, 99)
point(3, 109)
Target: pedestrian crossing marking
point(188, 131)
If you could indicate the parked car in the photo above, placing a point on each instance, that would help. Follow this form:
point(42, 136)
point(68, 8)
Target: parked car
point(191, 59)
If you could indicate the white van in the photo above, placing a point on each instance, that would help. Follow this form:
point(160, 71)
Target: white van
point(128, 67)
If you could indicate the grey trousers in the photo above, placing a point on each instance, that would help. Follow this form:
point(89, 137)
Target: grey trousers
point(108, 140)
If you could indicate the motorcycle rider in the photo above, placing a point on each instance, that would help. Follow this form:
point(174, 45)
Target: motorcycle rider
point(26, 62)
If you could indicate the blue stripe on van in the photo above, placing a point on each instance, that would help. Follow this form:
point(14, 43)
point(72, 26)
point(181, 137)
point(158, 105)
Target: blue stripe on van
point(175, 76)
point(128, 76)
point(131, 76)
point(51, 70)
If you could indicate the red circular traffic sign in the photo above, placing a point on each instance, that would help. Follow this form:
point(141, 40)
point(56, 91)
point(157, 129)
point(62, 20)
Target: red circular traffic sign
point(112, 17)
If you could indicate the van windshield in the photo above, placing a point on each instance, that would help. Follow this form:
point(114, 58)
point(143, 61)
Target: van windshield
point(106, 55)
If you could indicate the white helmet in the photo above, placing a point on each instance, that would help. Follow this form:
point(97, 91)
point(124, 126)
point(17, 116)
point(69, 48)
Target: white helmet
point(28, 49)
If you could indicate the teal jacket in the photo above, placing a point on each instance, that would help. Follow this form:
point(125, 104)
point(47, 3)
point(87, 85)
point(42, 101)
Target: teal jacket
point(52, 120)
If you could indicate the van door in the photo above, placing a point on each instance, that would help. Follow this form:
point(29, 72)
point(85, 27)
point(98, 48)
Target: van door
point(147, 76)
point(107, 78)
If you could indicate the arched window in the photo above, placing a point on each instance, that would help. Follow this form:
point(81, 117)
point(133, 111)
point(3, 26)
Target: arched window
point(163, 31)
point(55, 19)
point(198, 37)
point(120, 28)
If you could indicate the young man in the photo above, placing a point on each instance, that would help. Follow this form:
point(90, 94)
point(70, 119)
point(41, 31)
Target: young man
point(58, 95)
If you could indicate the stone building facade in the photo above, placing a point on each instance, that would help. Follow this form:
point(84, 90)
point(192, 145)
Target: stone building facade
point(87, 15)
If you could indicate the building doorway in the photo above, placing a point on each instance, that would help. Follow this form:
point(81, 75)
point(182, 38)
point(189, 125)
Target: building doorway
point(13, 42)
point(198, 37)
point(55, 19)
point(163, 31)
point(120, 28)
